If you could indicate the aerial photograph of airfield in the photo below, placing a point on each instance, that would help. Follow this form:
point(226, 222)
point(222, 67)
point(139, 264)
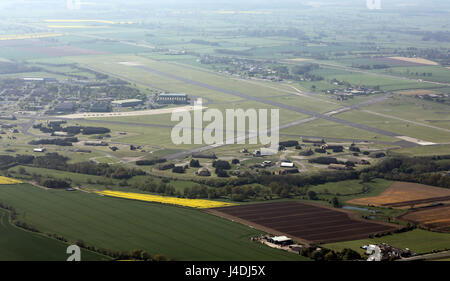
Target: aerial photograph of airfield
point(87, 157)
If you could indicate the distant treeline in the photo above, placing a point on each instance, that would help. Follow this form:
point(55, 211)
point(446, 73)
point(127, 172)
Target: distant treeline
point(136, 254)
point(58, 162)
point(9, 68)
point(204, 42)
point(150, 162)
point(9, 161)
point(60, 142)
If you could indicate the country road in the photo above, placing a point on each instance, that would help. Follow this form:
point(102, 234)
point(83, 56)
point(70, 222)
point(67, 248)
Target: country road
point(433, 256)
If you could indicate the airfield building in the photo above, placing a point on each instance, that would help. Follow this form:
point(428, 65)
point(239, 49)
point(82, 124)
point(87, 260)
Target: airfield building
point(127, 103)
point(173, 98)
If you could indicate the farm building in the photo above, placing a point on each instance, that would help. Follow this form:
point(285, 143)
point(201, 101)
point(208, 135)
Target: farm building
point(40, 150)
point(281, 240)
point(127, 103)
point(173, 98)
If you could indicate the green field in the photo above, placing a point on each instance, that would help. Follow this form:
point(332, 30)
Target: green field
point(419, 241)
point(20, 245)
point(352, 188)
point(400, 127)
point(424, 150)
point(118, 224)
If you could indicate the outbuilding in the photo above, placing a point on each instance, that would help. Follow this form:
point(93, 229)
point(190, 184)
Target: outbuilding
point(281, 240)
point(287, 165)
point(127, 103)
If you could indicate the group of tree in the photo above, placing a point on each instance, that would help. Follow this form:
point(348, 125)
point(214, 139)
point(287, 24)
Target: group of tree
point(150, 162)
point(194, 163)
point(58, 162)
point(424, 170)
point(9, 161)
point(59, 142)
point(221, 168)
point(323, 254)
point(56, 183)
point(56, 126)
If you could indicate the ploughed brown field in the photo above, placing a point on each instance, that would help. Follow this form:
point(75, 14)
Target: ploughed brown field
point(303, 222)
point(435, 218)
point(403, 61)
point(405, 195)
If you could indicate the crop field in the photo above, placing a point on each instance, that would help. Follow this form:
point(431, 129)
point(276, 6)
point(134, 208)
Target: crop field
point(429, 73)
point(29, 36)
point(434, 218)
point(423, 150)
point(382, 85)
point(193, 203)
point(123, 225)
point(419, 241)
point(413, 109)
point(304, 222)
point(5, 180)
point(369, 79)
point(21, 245)
point(325, 128)
point(415, 60)
point(404, 194)
point(400, 127)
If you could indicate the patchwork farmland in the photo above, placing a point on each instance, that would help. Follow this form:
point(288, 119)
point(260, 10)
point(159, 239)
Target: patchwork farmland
point(435, 218)
point(304, 222)
point(405, 194)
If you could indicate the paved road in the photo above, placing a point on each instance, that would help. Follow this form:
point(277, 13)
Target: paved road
point(433, 256)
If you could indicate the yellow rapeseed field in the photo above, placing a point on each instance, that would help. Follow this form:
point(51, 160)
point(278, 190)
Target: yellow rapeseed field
point(73, 26)
point(5, 180)
point(193, 203)
point(72, 21)
point(29, 36)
